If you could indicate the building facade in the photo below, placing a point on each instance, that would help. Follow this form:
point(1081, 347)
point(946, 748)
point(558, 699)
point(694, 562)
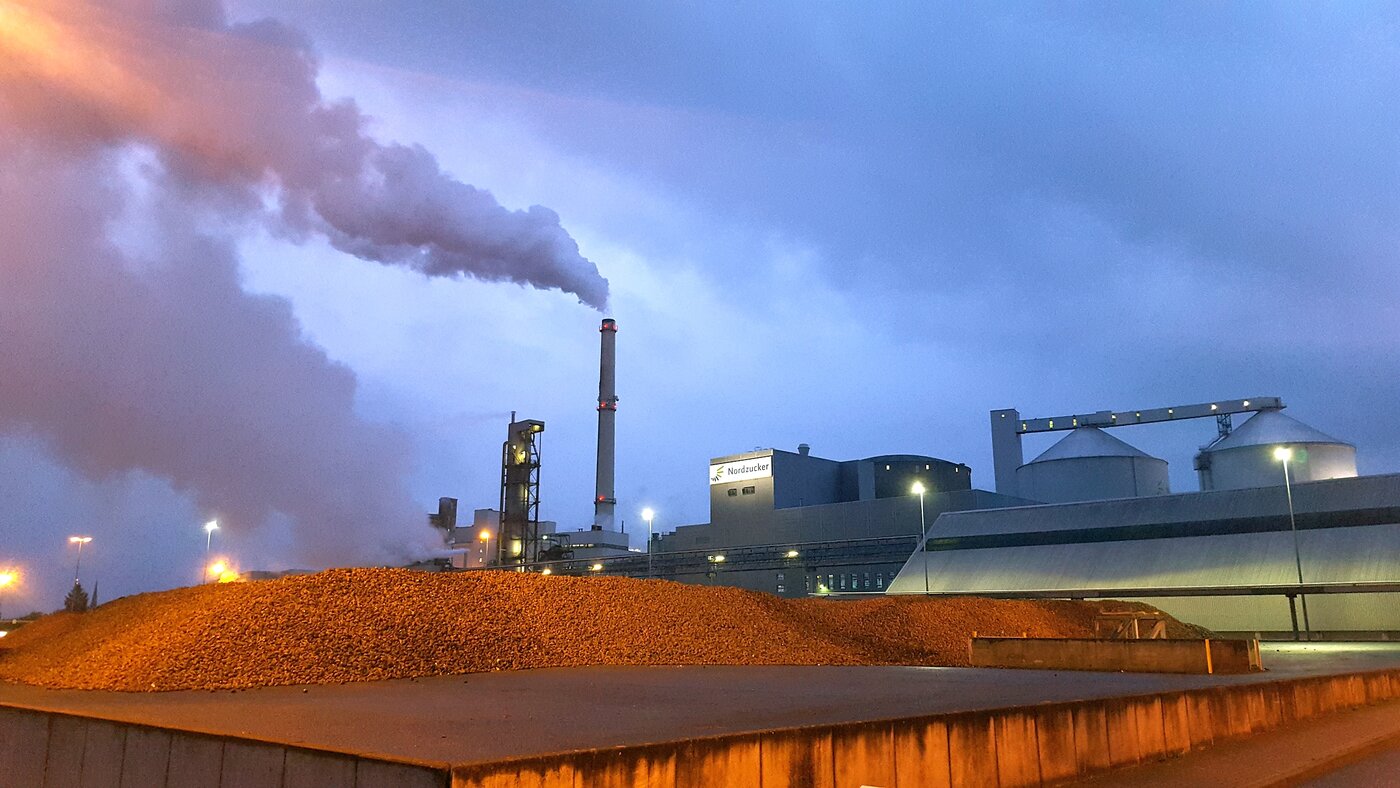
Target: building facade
point(793, 524)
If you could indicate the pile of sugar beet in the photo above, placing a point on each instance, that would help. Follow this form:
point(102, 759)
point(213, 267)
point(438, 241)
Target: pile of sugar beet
point(347, 625)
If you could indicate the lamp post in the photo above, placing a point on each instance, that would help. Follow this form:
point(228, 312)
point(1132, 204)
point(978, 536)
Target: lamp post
point(1284, 454)
point(209, 529)
point(648, 514)
point(918, 490)
point(77, 565)
point(484, 537)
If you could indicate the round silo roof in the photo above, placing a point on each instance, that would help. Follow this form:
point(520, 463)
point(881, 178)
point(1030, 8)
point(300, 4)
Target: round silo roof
point(1089, 442)
point(1269, 427)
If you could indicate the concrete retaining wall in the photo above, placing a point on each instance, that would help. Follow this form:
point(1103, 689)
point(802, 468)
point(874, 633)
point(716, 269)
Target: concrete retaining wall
point(1008, 747)
point(1004, 747)
point(1134, 656)
point(41, 749)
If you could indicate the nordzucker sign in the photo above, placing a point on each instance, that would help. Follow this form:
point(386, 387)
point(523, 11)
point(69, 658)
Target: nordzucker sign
point(725, 472)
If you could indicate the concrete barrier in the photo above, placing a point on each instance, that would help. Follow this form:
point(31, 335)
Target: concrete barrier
point(1003, 748)
point(997, 748)
point(44, 749)
point(1134, 656)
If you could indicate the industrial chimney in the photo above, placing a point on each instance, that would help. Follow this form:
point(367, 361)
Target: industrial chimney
point(604, 500)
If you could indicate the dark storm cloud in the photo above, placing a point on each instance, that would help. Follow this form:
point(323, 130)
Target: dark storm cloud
point(1257, 136)
point(1118, 206)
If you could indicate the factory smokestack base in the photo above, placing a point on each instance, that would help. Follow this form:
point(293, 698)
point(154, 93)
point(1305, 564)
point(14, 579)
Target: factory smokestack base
point(604, 499)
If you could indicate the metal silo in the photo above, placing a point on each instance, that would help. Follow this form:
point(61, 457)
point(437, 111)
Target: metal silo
point(1088, 464)
point(1245, 457)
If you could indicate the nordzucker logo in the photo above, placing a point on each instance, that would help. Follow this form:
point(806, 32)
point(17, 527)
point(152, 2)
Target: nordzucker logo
point(738, 469)
point(756, 467)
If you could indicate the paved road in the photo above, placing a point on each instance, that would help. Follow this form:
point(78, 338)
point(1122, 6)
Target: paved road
point(489, 716)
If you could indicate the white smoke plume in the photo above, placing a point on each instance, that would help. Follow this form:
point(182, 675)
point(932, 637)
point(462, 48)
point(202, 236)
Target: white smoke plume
point(237, 107)
point(147, 355)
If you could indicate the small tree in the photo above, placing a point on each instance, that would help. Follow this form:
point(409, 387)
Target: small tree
point(76, 601)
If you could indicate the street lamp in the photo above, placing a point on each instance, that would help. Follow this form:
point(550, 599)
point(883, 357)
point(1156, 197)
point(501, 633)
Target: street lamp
point(1284, 454)
point(77, 565)
point(648, 514)
point(918, 489)
point(484, 537)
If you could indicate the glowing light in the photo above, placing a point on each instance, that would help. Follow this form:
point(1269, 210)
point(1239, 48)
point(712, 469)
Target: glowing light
point(211, 526)
point(546, 571)
point(918, 488)
point(485, 535)
point(1283, 454)
point(596, 568)
point(648, 514)
point(719, 559)
point(792, 554)
point(7, 578)
point(79, 539)
point(229, 576)
point(218, 568)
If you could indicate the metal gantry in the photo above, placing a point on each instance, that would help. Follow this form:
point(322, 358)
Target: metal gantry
point(518, 545)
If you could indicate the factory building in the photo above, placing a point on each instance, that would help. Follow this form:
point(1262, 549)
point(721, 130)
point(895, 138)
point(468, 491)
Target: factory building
point(585, 545)
point(473, 546)
point(792, 523)
point(1225, 557)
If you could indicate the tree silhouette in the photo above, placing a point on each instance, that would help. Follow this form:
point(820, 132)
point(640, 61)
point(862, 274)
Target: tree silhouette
point(76, 601)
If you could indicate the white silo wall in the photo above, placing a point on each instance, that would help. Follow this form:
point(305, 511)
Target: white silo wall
point(1255, 466)
point(1093, 479)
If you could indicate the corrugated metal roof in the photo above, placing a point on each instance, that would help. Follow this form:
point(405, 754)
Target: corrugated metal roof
point(1269, 427)
point(1089, 442)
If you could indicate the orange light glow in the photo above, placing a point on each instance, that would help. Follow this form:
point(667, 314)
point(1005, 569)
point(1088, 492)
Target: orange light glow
point(39, 44)
point(485, 535)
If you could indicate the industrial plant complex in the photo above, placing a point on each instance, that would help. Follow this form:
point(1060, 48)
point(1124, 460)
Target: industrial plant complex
point(1283, 537)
